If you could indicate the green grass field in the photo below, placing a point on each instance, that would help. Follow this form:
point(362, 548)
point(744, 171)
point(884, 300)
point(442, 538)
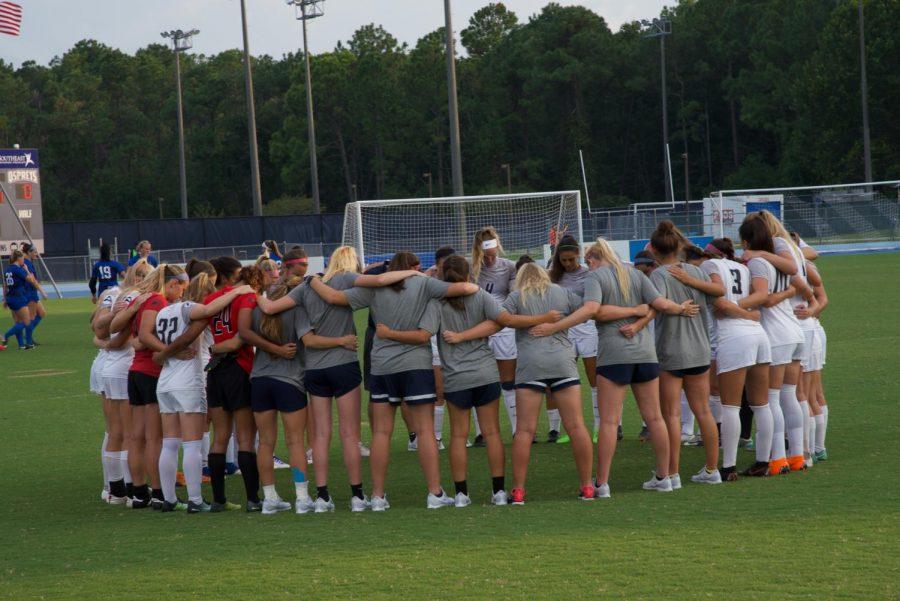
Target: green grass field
point(829, 532)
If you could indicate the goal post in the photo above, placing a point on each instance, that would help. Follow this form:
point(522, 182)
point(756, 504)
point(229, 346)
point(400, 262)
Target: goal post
point(379, 228)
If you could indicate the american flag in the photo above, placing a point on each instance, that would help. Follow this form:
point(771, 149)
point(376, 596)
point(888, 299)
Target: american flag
point(10, 18)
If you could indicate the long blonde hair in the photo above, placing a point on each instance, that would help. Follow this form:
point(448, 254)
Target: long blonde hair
point(532, 279)
point(777, 229)
point(343, 260)
point(202, 284)
point(602, 251)
point(130, 281)
point(485, 233)
point(270, 326)
point(156, 280)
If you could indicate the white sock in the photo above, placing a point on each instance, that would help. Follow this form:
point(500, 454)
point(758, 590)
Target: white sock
point(825, 413)
point(168, 467)
point(477, 425)
point(765, 423)
point(126, 472)
point(256, 439)
point(104, 461)
point(192, 460)
point(715, 407)
point(112, 466)
point(820, 432)
point(807, 425)
point(731, 432)
point(793, 419)
point(301, 489)
point(554, 419)
point(509, 400)
point(778, 451)
point(231, 451)
point(811, 435)
point(687, 416)
point(269, 493)
point(204, 449)
point(596, 407)
point(438, 421)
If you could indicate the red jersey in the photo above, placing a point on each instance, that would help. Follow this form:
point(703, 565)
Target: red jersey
point(224, 325)
point(143, 359)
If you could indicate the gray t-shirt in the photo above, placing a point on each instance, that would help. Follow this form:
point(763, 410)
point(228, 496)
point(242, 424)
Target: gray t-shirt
point(331, 321)
point(549, 357)
point(681, 342)
point(613, 348)
point(401, 310)
point(498, 279)
point(294, 324)
point(471, 363)
point(574, 280)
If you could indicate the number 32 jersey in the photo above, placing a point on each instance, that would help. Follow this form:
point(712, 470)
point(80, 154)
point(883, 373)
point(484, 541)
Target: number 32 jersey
point(178, 374)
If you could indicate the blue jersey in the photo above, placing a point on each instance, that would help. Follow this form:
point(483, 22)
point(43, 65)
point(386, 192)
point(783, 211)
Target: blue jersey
point(107, 274)
point(150, 259)
point(16, 278)
point(30, 291)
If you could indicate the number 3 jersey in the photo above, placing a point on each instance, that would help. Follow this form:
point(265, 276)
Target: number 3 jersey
point(182, 374)
point(736, 280)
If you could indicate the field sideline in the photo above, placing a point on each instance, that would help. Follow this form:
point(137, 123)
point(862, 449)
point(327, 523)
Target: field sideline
point(830, 532)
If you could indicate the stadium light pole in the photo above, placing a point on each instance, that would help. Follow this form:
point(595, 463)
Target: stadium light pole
point(455, 154)
point(864, 96)
point(181, 42)
point(161, 200)
point(660, 28)
point(251, 118)
point(306, 10)
point(505, 166)
point(427, 176)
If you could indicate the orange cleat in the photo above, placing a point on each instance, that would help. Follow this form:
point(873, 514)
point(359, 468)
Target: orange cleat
point(779, 466)
point(797, 463)
point(179, 479)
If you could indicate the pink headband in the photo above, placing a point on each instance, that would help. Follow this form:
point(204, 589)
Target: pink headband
point(713, 250)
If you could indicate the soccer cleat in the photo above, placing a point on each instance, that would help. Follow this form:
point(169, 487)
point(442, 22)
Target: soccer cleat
point(499, 498)
point(201, 507)
point(380, 503)
point(114, 500)
point(226, 506)
point(278, 464)
point(364, 451)
point(273, 506)
point(797, 463)
point(179, 478)
point(323, 506)
point(644, 435)
point(309, 457)
point(779, 466)
point(729, 474)
point(587, 493)
point(176, 506)
point(231, 469)
point(413, 444)
point(657, 484)
point(675, 479)
point(601, 491)
point(254, 506)
point(552, 436)
point(759, 469)
point(479, 441)
point(462, 500)
point(27, 347)
point(104, 495)
point(156, 504)
point(436, 502)
point(821, 455)
point(808, 461)
point(303, 506)
point(564, 439)
point(704, 476)
point(468, 444)
point(440, 444)
point(357, 504)
point(595, 437)
point(137, 503)
point(517, 496)
point(693, 440)
point(746, 443)
point(619, 434)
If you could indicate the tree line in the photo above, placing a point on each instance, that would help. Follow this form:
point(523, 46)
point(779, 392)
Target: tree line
point(760, 93)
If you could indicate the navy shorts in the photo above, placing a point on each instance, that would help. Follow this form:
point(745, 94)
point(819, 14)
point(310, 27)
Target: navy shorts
point(368, 341)
point(629, 373)
point(553, 384)
point(32, 296)
point(477, 396)
point(332, 381)
point(228, 386)
point(16, 302)
point(691, 371)
point(269, 394)
point(141, 389)
point(413, 387)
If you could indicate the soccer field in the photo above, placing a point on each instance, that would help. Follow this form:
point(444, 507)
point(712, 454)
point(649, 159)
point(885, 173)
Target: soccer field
point(828, 532)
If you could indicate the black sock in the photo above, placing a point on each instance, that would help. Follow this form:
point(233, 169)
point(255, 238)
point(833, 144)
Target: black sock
point(461, 487)
point(498, 483)
point(322, 493)
point(117, 488)
point(250, 474)
point(156, 493)
point(129, 490)
point(216, 463)
point(356, 490)
point(412, 436)
point(746, 420)
point(142, 492)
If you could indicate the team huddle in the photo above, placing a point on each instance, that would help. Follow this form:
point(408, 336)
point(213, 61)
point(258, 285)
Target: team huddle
point(733, 338)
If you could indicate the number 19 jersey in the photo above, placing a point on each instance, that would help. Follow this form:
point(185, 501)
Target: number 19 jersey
point(178, 374)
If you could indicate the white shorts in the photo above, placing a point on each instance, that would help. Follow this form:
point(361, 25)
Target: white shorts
point(784, 353)
point(809, 347)
point(799, 351)
point(182, 401)
point(96, 381)
point(503, 344)
point(585, 346)
point(435, 355)
point(746, 351)
point(713, 350)
point(823, 340)
point(116, 388)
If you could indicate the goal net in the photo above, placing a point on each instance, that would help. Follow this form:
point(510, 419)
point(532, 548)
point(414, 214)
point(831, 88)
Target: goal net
point(526, 223)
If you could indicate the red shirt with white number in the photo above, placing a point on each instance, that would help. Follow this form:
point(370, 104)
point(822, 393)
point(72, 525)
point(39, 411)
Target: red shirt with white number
point(143, 359)
point(224, 325)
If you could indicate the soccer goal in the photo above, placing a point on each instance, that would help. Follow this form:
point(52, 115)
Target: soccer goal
point(527, 224)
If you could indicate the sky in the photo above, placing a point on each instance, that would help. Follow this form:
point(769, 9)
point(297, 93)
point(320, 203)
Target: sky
point(50, 27)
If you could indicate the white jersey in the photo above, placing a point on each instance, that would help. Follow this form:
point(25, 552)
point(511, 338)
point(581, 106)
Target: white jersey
point(180, 374)
point(737, 288)
point(779, 322)
point(118, 361)
point(797, 300)
point(718, 267)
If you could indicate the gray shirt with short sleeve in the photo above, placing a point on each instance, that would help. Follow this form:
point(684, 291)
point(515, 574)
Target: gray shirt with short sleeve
point(548, 357)
point(498, 279)
point(681, 342)
point(331, 321)
point(471, 363)
point(613, 348)
point(574, 280)
point(294, 324)
point(401, 310)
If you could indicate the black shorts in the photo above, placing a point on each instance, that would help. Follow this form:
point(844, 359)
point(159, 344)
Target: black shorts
point(691, 371)
point(553, 384)
point(269, 394)
point(477, 396)
point(228, 386)
point(141, 389)
point(332, 381)
point(413, 387)
point(367, 358)
point(629, 373)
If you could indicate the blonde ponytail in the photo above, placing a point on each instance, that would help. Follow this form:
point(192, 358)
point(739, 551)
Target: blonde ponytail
point(485, 233)
point(532, 279)
point(202, 285)
point(155, 281)
point(343, 260)
point(602, 251)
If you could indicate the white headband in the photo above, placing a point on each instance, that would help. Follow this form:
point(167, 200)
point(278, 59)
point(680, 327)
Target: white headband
point(489, 244)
